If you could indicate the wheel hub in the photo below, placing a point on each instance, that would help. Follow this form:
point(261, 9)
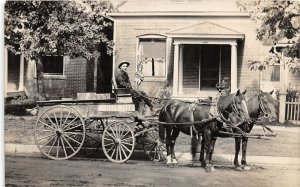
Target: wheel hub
point(118, 140)
point(59, 131)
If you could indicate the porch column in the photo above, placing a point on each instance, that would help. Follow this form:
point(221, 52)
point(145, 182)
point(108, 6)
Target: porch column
point(21, 80)
point(180, 76)
point(233, 68)
point(5, 70)
point(175, 70)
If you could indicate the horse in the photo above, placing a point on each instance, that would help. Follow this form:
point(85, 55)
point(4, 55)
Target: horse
point(181, 116)
point(261, 106)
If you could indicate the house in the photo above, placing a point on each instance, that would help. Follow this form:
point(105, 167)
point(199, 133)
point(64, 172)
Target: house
point(192, 45)
point(64, 77)
point(195, 44)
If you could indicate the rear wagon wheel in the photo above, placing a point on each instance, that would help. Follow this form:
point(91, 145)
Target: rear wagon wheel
point(59, 132)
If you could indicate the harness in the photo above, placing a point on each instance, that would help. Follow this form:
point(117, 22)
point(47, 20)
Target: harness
point(263, 109)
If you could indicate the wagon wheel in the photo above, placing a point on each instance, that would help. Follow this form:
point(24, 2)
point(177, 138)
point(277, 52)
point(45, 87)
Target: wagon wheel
point(154, 149)
point(118, 142)
point(92, 143)
point(59, 132)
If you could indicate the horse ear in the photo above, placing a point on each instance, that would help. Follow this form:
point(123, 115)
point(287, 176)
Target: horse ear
point(237, 92)
point(244, 92)
point(271, 92)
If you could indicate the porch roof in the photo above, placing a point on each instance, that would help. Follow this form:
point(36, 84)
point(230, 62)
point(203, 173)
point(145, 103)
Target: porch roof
point(205, 30)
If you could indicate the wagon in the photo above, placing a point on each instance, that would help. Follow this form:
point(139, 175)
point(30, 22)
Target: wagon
point(65, 128)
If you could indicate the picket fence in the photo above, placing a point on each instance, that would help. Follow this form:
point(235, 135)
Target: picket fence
point(292, 111)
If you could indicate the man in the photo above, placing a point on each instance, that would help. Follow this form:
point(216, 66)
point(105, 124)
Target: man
point(123, 81)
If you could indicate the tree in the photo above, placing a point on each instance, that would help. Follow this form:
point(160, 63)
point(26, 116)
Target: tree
point(62, 28)
point(277, 21)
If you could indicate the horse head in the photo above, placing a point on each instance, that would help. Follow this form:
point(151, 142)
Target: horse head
point(267, 105)
point(234, 104)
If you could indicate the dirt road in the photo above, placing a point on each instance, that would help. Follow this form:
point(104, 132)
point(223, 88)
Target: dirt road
point(21, 171)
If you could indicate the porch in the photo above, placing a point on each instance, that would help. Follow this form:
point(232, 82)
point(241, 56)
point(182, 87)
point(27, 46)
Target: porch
point(204, 54)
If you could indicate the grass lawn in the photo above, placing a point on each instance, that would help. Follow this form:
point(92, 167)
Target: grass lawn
point(286, 143)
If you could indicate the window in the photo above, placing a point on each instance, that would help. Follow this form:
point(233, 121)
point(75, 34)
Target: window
point(272, 73)
point(53, 65)
point(151, 57)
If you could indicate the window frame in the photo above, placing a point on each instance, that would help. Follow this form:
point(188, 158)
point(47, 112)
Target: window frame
point(55, 76)
point(152, 36)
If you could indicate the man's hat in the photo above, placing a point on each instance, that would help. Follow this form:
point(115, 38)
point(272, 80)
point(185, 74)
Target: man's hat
point(123, 62)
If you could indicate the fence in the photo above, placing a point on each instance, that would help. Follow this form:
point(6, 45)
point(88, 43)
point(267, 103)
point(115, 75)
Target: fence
point(292, 110)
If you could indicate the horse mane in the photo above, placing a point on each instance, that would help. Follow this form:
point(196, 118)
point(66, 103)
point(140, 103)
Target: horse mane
point(253, 106)
point(224, 102)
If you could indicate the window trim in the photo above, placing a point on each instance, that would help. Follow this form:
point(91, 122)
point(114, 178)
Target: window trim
point(153, 36)
point(54, 76)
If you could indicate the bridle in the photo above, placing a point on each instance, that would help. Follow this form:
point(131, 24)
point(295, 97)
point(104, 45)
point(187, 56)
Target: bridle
point(263, 109)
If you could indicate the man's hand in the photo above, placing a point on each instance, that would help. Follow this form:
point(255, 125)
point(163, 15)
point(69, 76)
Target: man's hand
point(137, 81)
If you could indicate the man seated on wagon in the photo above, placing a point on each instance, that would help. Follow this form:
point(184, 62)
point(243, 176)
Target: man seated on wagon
point(123, 81)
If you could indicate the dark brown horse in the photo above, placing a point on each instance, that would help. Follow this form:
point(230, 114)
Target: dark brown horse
point(261, 106)
point(176, 116)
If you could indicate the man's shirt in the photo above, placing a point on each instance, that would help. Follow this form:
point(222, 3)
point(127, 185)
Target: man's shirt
point(122, 80)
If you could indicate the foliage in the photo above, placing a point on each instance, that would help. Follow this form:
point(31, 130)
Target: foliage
point(292, 94)
point(64, 28)
point(277, 21)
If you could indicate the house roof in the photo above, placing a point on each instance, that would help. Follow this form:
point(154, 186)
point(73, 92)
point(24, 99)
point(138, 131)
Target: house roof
point(175, 7)
point(205, 29)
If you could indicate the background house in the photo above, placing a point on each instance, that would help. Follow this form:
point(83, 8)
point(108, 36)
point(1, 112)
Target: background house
point(63, 77)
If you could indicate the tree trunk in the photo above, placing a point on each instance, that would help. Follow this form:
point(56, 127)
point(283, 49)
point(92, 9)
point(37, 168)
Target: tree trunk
point(40, 79)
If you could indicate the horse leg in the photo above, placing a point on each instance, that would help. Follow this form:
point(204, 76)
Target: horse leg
point(208, 141)
point(236, 156)
point(202, 161)
point(244, 152)
point(195, 142)
point(174, 136)
point(168, 145)
point(211, 150)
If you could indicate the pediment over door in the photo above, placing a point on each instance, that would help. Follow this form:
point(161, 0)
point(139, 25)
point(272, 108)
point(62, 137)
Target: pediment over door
point(205, 30)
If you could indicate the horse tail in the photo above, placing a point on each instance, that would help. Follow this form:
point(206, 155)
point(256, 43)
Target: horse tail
point(162, 132)
point(161, 127)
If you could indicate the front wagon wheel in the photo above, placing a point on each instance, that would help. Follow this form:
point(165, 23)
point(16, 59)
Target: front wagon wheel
point(59, 132)
point(118, 142)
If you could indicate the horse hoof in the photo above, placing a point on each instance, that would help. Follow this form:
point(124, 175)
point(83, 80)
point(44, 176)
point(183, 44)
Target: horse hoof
point(238, 168)
point(203, 164)
point(174, 161)
point(247, 168)
point(209, 169)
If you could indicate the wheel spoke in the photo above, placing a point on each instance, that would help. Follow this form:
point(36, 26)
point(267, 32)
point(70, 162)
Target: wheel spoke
point(71, 133)
point(48, 142)
point(125, 147)
point(127, 144)
point(52, 145)
point(129, 138)
point(63, 145)
point(124, 135)
point(120, 153)
point(68, 143)
point(44, 137)
point(46, 124)
point(71, 139)
point(112, 131)
point(73, 127)
point(108, 139)
point(112, 143)
point(62, 126)
point(123, 150)
point(51, 120)
point(57, 148)
point(117, 152)
point(70, 123)
point(110, 135)
point(121, 133)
